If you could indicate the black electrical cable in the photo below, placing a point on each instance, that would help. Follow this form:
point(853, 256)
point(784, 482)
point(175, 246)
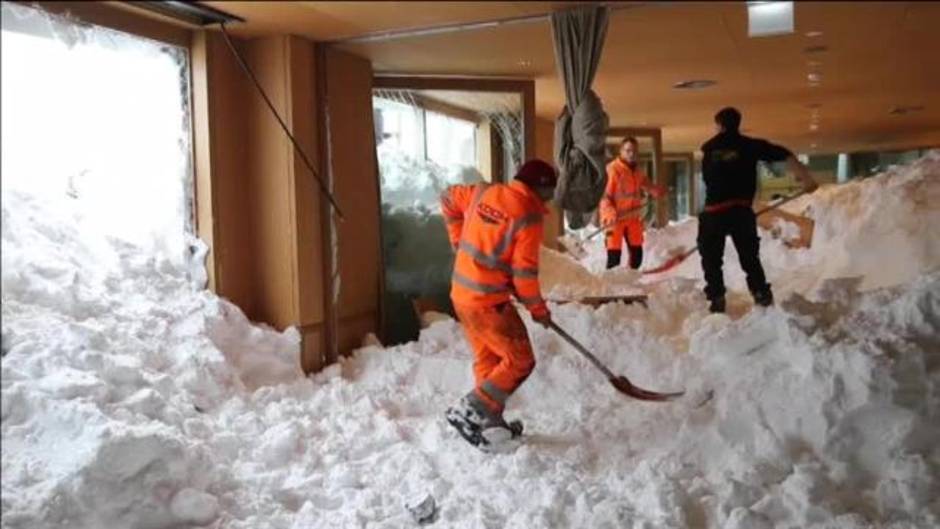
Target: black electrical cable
point(303, 155)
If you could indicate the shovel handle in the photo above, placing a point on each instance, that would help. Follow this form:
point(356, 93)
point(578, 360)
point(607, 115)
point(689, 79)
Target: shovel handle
point(581, 349)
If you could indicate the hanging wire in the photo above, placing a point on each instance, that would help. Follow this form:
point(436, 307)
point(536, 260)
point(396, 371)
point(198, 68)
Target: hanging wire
point(241, 61)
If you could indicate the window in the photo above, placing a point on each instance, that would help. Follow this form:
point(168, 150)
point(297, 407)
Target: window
point(450, 141)
point(97, 122)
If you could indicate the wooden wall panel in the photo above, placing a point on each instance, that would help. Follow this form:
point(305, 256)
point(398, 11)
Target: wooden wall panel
point(307, 198)
point(352, 142)
point(220, 97)
point(270, 203)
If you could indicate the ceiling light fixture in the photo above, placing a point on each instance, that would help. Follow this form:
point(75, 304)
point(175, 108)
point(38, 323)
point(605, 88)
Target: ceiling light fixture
point(902, 110)
point(814, 34)
point(814, 77)
point(765, 19)
point(524, 63)
point(816, 49)
point(694, 84)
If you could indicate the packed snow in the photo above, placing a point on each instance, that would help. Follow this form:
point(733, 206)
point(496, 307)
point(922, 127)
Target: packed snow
point(133, 399)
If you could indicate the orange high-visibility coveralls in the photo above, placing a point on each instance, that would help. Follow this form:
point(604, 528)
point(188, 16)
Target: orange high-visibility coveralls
point(623, 192)
point(497, 232)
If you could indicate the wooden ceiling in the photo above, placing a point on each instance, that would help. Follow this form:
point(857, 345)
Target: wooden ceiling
point(879, 55)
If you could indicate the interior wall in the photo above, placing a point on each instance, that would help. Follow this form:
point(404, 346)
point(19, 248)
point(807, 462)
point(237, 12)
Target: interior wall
point(269, 166)
point(352, 142)
point(221, 124)
point(544, 150)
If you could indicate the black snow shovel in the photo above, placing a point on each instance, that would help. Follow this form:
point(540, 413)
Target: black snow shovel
point(620, 382)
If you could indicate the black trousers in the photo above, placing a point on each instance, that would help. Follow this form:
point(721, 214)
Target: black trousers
point(741, 224)
point(636, 257)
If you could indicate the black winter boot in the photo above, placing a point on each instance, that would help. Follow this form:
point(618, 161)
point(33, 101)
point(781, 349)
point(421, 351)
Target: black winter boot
point(764, 298)
point(717, 305)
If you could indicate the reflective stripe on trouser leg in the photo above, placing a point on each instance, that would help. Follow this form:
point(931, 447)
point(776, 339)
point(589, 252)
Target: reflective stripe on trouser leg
point(494, 392)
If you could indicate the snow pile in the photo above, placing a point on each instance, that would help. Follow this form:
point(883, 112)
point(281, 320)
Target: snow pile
point(108, 357)
point(893, 214)
point(407, 181)
point(131, 400)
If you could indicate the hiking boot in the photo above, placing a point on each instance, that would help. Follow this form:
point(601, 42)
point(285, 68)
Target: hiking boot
point(479, 425)
point(717, 305)
point(764, 298)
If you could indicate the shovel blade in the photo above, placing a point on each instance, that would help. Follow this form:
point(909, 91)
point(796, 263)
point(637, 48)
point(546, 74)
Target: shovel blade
point(627, 388)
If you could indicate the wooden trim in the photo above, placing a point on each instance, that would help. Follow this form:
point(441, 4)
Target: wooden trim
point(447, 109)
point(496, 157)
point(380, 308)
point(528, 120)
point(659, 176)
point(204, 201)
point(330, 329)
point(123, 17)
point(465, 84)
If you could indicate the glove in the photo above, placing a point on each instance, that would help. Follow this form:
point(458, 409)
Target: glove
point(607, 219)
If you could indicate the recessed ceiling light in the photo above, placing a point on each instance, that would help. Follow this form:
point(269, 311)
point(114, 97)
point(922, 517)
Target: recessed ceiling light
point(901, 110)
point(814, 77)
point(814, 105)
point(765, 19)
point(524, 63)
point(814, 34)
point(816, 49)
point(813, 126)
point(694, 84)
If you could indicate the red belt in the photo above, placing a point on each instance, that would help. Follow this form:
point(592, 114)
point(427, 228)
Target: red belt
point(727, 204)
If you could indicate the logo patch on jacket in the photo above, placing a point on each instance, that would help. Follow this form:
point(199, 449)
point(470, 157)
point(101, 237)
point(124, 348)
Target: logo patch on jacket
point(722, 155)
point(491, 215)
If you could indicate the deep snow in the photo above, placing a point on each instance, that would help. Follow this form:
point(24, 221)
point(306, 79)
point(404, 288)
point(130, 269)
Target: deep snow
point(131, 399)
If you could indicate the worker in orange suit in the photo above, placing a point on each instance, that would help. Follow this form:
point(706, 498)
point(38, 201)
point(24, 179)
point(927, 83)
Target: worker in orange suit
point(496, 231)
point(624, 192)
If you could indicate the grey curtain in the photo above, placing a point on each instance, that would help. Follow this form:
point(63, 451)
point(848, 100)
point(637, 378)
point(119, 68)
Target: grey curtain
point(581, 128)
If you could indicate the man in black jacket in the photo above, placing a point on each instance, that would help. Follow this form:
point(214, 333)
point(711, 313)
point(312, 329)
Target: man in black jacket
point(729, 168)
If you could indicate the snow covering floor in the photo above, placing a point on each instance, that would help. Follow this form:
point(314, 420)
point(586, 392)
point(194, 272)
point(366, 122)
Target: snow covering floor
point(132, 400)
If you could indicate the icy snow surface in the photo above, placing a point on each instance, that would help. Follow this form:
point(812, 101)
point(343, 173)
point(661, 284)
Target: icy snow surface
point(131, 400)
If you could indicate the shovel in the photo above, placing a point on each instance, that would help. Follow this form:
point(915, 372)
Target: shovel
point(620, 382)
point(576, 247)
